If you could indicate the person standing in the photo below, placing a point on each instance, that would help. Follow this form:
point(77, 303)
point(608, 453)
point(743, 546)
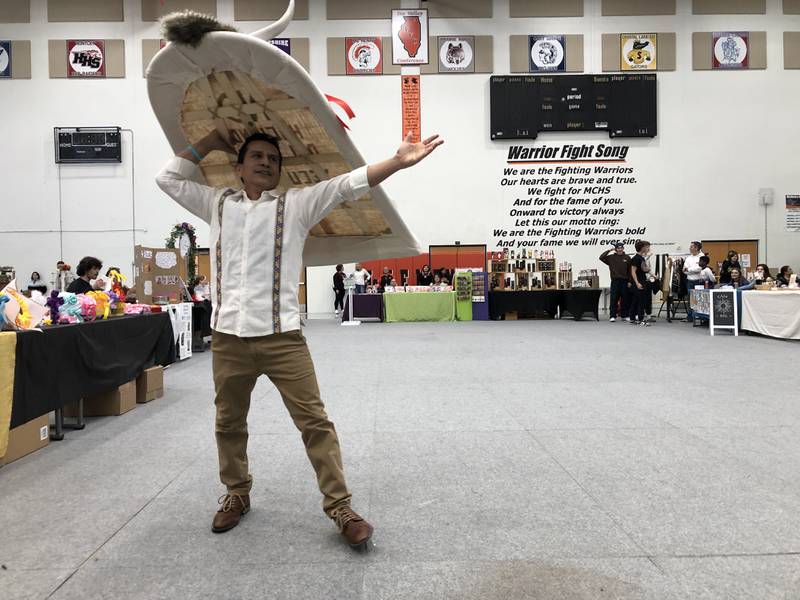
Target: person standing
point(361, 275)
point(731, 262)
point(425, 276)
point(639, 270)
point(63, 276)
point(386, 279)
point(338, 289)
point(707, 275)
point(36, 283)
point(619, 266)
point(259, 234)
point(692, 268)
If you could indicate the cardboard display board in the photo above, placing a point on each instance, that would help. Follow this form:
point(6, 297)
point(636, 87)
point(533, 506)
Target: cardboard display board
point(666, 51)
point(158, 273)
point(153, 10)
point(113, 58)
point(729, 7)
point(637, 7)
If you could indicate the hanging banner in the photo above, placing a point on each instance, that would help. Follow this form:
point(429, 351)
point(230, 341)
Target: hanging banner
point(363, 56)
point(730, 50)
point(410, 36)
point(547, 53)
point(284, 44)
point(5, 59)
point(86, 58)
point(456, 54)
point(637, 51)
point(411, 107)
point(792, 213)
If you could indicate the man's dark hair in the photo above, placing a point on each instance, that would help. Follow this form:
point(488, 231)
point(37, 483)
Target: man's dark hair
point(641, 244)
point(61, 262)
point(88, 262)
point(698, 244)
point(259, 137)
point(703, 260)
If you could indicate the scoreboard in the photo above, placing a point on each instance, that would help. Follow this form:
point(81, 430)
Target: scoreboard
point(623, 105)
point(87, 144)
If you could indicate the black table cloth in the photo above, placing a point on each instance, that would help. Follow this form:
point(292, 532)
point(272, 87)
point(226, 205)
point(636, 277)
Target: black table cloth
point(524, 303)
point(64, 363)
point(576, 302)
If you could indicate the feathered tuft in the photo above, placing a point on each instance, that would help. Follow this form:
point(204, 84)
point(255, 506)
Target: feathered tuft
point(188, 27)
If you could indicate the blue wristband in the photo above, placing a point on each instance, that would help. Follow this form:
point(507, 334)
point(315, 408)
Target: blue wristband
point(196, 154)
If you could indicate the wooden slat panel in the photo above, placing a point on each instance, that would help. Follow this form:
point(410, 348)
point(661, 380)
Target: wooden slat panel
point(546, 8)
point(637, 7)
point(729, 7)
point(791, 49)
point(360, 9)
point(237, 103)
point(574, 48)
point(84, 10)
point(758, 50)
point(153, 10)
point(15, 11)
point(267, 10)
point(21, 57)
point(518, 50)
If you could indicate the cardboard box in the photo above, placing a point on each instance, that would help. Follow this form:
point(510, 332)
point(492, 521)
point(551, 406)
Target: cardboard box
point(110, 404)
point(158, 272)
point(26, 438)
point(150, 385)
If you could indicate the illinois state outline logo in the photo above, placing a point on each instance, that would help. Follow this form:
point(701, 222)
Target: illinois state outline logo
point(410, 36)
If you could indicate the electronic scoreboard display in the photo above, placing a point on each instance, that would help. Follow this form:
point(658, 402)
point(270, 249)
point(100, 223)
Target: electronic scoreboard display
point(88, 144)
point(522, 106)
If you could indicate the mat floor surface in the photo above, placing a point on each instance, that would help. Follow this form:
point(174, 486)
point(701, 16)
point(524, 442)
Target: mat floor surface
point(529, 459)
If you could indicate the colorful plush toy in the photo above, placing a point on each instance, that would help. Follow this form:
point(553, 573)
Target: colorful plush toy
point(136, 309)
point(103, 302)
point(3, 319)
point(88, 307)
point(70, 311)
point(117, 281)
point(54, 303)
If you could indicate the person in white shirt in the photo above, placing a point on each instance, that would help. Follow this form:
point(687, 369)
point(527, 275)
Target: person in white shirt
point(361, 276)
point(257, 237)
point(706, 275)
point(692, 268)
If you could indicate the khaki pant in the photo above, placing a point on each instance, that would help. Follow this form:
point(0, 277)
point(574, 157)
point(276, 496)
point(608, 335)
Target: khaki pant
point(285, 359)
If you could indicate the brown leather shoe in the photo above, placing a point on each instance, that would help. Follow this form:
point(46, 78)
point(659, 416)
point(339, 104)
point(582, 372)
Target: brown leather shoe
point(231, 511)
point(353, 527)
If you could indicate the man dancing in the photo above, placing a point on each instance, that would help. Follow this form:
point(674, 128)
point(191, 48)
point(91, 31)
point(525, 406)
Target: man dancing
point(257, 237)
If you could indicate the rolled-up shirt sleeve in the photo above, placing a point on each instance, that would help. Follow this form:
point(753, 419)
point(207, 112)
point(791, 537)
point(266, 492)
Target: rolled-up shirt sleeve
point(175, 181)
point(320, 199)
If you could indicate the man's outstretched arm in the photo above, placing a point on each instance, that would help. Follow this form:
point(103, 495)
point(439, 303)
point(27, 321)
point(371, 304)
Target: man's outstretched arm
point(406, 156)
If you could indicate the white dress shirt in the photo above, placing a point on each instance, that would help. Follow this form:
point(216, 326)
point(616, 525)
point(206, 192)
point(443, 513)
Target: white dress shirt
point(244, 303)
point(691, 265)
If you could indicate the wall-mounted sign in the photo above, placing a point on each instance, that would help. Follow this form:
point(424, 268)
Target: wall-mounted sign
point(547, 53)
point(86, 58)
point(637, 51)
point(456, 54)
point(363, 56)
point(410, 36)
point(792, 213)
point(411, 107)
point(5, 59)
point(284, 44)
point(730, 50)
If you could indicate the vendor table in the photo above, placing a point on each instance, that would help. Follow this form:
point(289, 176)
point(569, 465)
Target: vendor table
point(420, 306)
point(63, 363)
point(579, 301)
point(366, 307)
point(772, 313)
point(576, 302)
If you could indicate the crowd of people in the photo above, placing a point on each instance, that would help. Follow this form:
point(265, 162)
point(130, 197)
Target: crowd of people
point(633, 284)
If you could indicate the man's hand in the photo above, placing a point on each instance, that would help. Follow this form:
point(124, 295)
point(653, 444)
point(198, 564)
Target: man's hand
point(410, 153)
point(407, 155)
